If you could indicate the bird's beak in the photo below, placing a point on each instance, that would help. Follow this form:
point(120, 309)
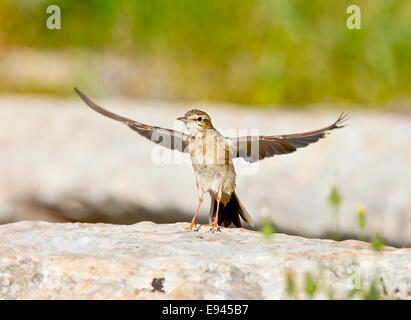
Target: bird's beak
point(184, 119)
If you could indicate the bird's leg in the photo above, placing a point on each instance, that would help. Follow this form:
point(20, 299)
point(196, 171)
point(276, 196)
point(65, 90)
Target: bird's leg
point(193, 221)
point(214, 225)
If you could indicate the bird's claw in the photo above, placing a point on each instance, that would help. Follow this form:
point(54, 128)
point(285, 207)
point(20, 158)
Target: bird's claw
point(193, 226)
point(214, 227)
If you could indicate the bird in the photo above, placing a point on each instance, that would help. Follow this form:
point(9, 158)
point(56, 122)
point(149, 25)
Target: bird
point(212, 157)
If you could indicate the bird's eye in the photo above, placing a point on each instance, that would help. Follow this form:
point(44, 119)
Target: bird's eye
point(199, 118)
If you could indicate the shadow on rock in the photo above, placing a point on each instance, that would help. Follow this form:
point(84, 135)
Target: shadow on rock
point(116, 211)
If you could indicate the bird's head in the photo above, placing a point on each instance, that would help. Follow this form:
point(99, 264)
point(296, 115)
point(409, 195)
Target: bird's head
point(196, 121)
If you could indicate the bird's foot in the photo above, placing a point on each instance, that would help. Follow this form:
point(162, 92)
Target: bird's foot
point(193, 226)
point(214, 227)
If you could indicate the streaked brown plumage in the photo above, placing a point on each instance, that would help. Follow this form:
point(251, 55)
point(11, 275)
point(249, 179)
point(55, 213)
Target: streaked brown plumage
point(212, 154)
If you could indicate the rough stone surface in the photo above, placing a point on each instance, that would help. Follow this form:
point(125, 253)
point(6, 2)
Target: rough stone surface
point(42, 260)
point(84, 167)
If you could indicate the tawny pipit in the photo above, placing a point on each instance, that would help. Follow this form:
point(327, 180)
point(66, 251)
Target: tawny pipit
point(212, 154)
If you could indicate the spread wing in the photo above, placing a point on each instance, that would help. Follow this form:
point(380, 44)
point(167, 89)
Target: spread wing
point(165, 137)
point(254, 148)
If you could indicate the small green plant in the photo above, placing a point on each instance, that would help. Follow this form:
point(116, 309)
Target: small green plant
point(334, 197)
point(361, 222)
point(267, 228)
point(377, 242)
point(335, 200)
point(373, 292)
point(290, 284)
point(352, 293)
point(317, 285)
point(310, 285)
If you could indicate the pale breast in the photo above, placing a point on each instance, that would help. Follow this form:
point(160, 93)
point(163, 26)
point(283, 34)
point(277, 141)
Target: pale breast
point(209, 178)
point(212, 164)
point(209, 149)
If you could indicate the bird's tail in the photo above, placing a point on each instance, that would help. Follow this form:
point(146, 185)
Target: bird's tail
point(230, 213)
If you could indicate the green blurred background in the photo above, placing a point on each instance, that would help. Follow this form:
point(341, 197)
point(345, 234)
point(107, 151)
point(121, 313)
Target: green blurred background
point(251, 52)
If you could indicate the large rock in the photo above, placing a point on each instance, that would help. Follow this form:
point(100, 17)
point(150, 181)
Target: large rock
point(60, 161)
point(41, 260)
